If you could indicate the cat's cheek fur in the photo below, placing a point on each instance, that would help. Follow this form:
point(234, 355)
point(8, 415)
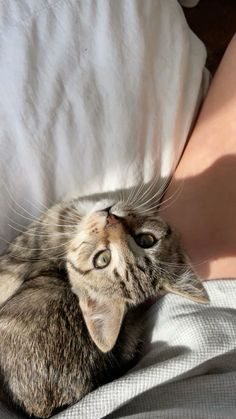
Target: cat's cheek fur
point(9, 284)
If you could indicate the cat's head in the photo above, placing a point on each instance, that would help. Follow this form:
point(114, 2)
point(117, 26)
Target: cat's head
point(122, 256)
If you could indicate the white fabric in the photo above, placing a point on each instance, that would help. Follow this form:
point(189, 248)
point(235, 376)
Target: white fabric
point(94, 96)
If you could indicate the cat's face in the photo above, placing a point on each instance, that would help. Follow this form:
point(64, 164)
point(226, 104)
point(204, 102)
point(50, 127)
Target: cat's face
point(117, 251)
point(121, 256)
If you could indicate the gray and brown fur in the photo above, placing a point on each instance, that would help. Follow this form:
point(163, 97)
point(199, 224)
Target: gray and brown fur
point(67, 327)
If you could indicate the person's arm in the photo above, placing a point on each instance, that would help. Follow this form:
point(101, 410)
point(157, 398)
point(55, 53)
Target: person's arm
point(204, 212)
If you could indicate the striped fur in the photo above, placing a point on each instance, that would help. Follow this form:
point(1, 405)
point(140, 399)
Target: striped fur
point(67, 327)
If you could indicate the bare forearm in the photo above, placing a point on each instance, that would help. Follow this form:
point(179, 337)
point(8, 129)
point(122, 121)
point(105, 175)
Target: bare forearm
point(205, 210)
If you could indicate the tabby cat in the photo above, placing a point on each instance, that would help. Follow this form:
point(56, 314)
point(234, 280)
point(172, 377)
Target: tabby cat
point(70, 293)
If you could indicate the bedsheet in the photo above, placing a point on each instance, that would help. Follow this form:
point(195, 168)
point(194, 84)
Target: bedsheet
point(95, 95)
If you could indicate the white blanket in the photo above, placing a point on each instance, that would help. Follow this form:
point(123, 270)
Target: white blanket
point(95, 95)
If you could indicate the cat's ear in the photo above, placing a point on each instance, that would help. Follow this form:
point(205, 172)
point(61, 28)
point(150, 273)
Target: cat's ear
point(103, 320)
point(188, 285)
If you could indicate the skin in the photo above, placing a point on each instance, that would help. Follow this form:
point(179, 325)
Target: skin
point(204, 212)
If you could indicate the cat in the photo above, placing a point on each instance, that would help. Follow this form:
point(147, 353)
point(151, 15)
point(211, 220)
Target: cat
point(71, 293)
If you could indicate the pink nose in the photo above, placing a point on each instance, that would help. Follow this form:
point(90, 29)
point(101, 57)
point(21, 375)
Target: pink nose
point(112, 219)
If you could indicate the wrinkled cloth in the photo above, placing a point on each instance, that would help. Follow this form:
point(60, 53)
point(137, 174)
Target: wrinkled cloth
point(95, 95)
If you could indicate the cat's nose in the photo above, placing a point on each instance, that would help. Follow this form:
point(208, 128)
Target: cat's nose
point(112, 219)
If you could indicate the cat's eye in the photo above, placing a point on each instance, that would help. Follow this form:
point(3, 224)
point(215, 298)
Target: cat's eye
point(145, 240)
point(102, 259)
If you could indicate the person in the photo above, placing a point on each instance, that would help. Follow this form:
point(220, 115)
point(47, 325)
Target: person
point(204, 212)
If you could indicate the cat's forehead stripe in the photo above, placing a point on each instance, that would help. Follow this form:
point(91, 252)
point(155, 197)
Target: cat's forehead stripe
point(80, 271)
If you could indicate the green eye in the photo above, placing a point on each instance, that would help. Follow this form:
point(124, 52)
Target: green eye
point(102, 259)
point(145, 240)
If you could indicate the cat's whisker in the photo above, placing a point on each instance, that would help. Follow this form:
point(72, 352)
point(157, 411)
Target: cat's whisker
point(158, 183)
point(32, 233)
point(22, 208)
point(150, 210)
point(31, 217)
point(131, 189)
point(152, 185)
point(45, 208)
point(136, 192)
point(121, 196)
point(38, 249)
point(54, 215)
point(172, 274)
point(52, 202)
point(193, 264)
point(144, 186)
point(160, 204)
point(40, 221)
point(144, 203)
point(72, 216)
point(171, 264)
point(139, 194)
point(178, 190)
point(160, 193)
point(124, 196)
point(164, 207)
point(24, 227)
point(60, 257)
point(42, 248)
point(155, 196)
point(130, 196)
point(75, 219)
